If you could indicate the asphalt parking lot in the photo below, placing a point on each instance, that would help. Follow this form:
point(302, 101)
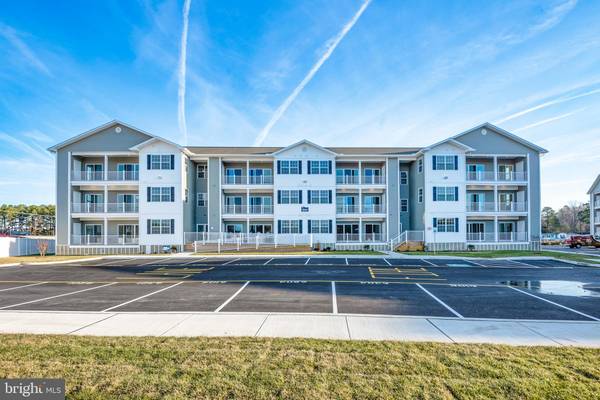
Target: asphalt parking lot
point(532, 289)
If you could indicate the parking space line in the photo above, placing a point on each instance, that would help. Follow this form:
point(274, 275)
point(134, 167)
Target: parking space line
point(113, 262)
point(525, 264)
point(151, 262)
point(428, 262)
point(268, 261)
point(387, 262)
point(233, 296)
point(231, 261)
point(333, 298)
point(552, 302)
point(23, 286)
point(346, 260)
point(476, 263)
point(440, 301)
point(307, 260)
point(194, 261)
point(142, 297)
point(57, 296)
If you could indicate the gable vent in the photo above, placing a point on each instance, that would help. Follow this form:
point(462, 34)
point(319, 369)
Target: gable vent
point(118, 129)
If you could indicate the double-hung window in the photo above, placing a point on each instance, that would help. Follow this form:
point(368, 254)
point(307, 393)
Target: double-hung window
point(404, 177)
point(445, 163)
point(319, 167)
point(161, 161)
point(420, 165)
point(289, 167)
point(420, 195)
point(161, 194)
point(289, 196)
point(319, 196)
point(201, 171)
point(446, 224)
point(403, 205)
point(202, 199)
point(161, 226)
point(288, 226)
point(445, 193)
point(319, 226)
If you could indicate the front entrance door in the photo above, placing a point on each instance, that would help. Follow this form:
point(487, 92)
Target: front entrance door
point(372, 232)
point(506, 231)
point(476, 231)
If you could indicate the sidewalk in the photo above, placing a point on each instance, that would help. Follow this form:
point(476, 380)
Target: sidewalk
point(322, 326)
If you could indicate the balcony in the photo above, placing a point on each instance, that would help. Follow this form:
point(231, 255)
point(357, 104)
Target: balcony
point(347, 180)
point(514, 206)
point(512, 176)
point(373, 209)
point(372, 180)
point(347, 209)
point(490, 176)
point(248, 180)
point(489, 237)
point(481, 176)
point(356, 180)
point(481, 207)
point(100, 240)
point(355, 237)
point(251, 210)
point(347, 237)
point(502, 207)
point(98, 208)
point(98, 176)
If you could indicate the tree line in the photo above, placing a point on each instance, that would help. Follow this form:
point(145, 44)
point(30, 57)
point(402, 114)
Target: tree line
point(571, 218)
point(21, 219)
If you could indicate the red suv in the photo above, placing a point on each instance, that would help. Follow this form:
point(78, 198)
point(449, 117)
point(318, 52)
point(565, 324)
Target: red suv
point(582, 240)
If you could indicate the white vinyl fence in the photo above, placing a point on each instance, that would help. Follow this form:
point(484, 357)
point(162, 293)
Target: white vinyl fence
point(24, 246)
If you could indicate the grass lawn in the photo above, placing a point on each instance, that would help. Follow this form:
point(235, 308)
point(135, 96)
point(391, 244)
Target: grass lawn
point(298, 253)
point(510, 253)
point(254, 368)
point(29, 259)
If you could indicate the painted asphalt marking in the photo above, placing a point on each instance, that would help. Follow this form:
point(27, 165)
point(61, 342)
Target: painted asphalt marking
point(334, 298)
point(156, 261)
point(113, 262)
point(440, 301)
point(233, 296)
point(346, 260)
point(428, 262)
point(476, 263)
point(194, 261)
point(57, 296)
point(142, 297)
point(525, 264)
point(232, 261)
point(387, 262)
point(420, 274)
point(183, 273)
point(552, 302)
point(268, 261)
point(307, 260)
point(23, 286)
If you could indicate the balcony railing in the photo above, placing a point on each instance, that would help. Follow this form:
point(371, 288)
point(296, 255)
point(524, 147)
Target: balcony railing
point(512, 176)
point(512, 236)
point(355, 237)
point(244, 209)
point(123, 207)
point(501, 237)
point(373, 237)
point(481, 207)
point(92, 176)
point(96, 208)
point(502, 207)
point(480, 237)
point(347, 209)
point(480, 176)
point(513, 206)
point(488, 176)
point(261, 209)
point(347, 237)
point(373, 180)
point(100, 240)
point(248, 180)
point(346, 180)
point(234, 209)
point(373, 209)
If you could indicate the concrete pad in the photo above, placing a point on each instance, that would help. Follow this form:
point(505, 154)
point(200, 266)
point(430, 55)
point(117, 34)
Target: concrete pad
point(134, 325)
point(307, 326)
point(568, 333)
point(46, 323)
point(219, 325)
point(380, 328)
point(499, 332)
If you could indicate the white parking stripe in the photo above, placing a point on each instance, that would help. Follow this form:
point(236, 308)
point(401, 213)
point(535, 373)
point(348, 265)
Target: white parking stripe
point(476, 263)
point(156, 261)
point(430, 263)
point(142, 297)
point(439, 301)
point(194, 261)
point(346, 260)
point(59, 295)
point(388, 263)
point(525, 264)
point(269, 260)
point(22, 286)
point(307, 260)
point(231, 261)
point(552, 302)
point(120, 260)
point(333, 298)
point(233, 296)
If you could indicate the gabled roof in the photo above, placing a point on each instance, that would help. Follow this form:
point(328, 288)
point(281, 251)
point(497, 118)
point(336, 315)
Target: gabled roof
point(451, 141)
point(594, 185)
point(267, 151)
point(137, 147)
point(505, 133)
point(304, 141)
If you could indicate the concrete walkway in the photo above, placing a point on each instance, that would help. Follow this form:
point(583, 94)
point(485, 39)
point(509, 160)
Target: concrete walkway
point(322, 326)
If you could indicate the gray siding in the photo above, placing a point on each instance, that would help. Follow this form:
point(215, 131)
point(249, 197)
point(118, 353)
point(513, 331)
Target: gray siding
point(393, 201)
point(416, 181)
point(405, 194)
point(214, 194)
point(189, 207)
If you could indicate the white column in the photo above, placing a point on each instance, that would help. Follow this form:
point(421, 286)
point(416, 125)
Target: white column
point(247, 208)
point(360, 231)
point(105, 231)
point(495, 168)
point(495, 229)
point(496, 198)
point(105, 198)
point(247, 172)
point(70, 194)
point(106, 167)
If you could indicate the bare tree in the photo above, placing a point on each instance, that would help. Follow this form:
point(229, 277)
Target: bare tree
point(42, 246)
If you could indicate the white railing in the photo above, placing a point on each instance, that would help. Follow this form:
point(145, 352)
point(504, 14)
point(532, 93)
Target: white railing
point(123, 175)
point(512, 236)
point(110, 176)
point(519, 176)
point(480, 237)
point(87, 175)
point(373, 209)
point(234, 180)
point(260, 180)
point(373, 180)
point(346, 180)
point(373, 237)
point(87, 240)
point(123, 207)
point(347, 209)
point(261, 209)
point(247, 180)
point(100, 240)
point(481, 176)
point(347, 237)
point(237, 241)
point(234, 209)
point(122, 240)
point(87, 208)
point(512, 206)
point(481, 207)
point(407, 236)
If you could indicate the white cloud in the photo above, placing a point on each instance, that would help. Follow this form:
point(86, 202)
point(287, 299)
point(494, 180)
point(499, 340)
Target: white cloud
point(547, 120)
point(182, 72)
point(24, 50)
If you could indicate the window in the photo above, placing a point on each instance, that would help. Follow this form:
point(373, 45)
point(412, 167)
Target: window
point(161, 194)
point(420, 164)
point(319, 167)
point(289, 226)
point(201, 171)
point(445, 193)
point(161, 161)
point(403, 205)
point(201, 227)
point(289, 167)
point(446, 224)
point(420, 195)
point(404, 177)
point(261, 228)
point(161, 226)
point(185, 195)
point(445, 163)
point(319, 226)
point(234, 228)
point(289, 196)
point(319, 196)
point(201, 199)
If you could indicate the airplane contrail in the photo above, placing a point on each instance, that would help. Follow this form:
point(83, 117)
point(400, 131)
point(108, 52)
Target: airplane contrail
point(328, 51)
point(182, 72)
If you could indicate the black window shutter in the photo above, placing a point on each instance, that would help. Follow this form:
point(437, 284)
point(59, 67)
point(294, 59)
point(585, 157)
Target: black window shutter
point(434, 193)
point(455, 193)
point(309, 226)
point(279, 197)
point(434, 163)
point(308, 196)
point(148, 191)
point(149, 166)
point(172, 226)
point(456, 162)
point(330, 166)
point(300, 167)
point(299, 226)
point(330, 226)
point(307, 169)
point(330, 196)
point(172, 194)
point(148, 228)
point(278, 226)
point(435, 222)
point(300, 196)
point(455, 224)
point(172, 161)
point(278, 167)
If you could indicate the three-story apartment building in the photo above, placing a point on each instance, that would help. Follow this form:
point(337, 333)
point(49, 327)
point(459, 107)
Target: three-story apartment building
point(594, 193)
point(122, 190)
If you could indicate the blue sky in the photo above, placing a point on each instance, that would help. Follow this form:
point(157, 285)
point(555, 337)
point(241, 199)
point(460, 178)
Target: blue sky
point(400, 73)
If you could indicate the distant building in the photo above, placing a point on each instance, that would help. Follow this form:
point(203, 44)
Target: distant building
point(594, 193)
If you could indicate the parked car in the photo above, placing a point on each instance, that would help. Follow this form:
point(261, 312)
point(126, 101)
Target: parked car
point(577, 241)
